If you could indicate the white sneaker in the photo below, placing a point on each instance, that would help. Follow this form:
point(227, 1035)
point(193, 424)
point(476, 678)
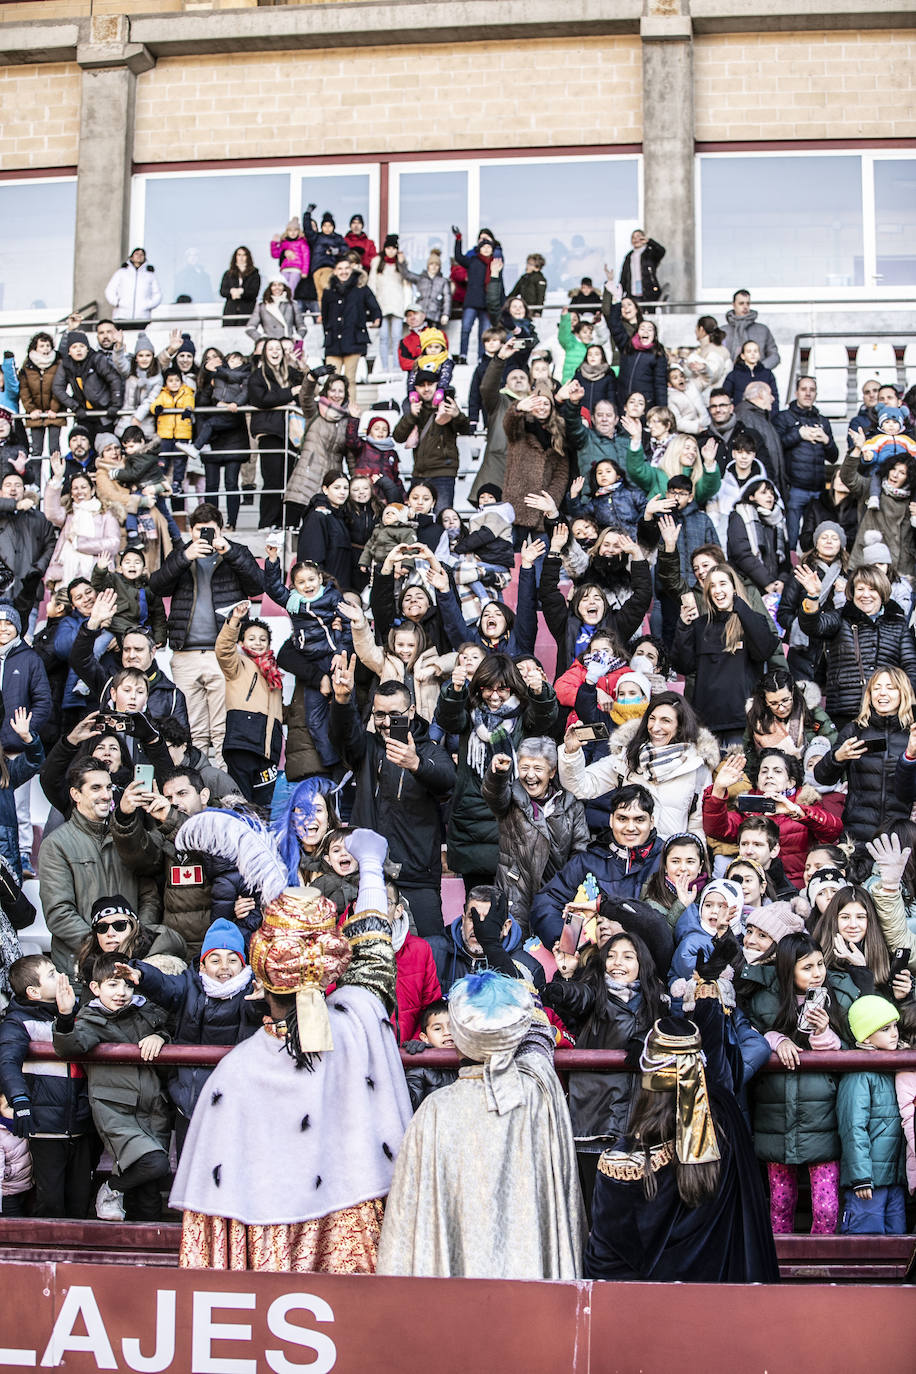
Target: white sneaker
point(109, 1205)
point(187, 447)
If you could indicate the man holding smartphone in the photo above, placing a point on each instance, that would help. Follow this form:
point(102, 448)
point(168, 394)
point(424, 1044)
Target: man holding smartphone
point(401, 777)
point(207, 572)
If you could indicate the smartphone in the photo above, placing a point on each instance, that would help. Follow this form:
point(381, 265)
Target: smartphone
point(899, 963)
point(144, 773)
point(875, 746)
point(399, 729)
point(689, 601)
point(208, 535)
point(116, 720)
point(588, 733)
point(749, 801)
point(571, 934)
point(815, 998)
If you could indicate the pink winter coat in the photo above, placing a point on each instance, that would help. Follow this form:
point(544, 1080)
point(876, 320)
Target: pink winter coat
point(297, 246)
point(97, 531)
point(905, 1083)
point(16, 1162)
point(417, 985)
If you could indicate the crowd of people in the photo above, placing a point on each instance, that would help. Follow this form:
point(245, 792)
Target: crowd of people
point(652, 700)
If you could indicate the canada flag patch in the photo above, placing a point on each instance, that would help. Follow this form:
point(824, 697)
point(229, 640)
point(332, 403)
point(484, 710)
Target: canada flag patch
point(187, 875)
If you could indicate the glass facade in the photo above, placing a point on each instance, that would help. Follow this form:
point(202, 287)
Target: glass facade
point(794, 221)
point(895, 221)
point(193, 225)
point(344, 196)
point(37, 226)
point(429, 203)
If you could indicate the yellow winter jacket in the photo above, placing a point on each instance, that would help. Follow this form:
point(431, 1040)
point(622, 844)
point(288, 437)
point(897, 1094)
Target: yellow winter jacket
point(174, 426)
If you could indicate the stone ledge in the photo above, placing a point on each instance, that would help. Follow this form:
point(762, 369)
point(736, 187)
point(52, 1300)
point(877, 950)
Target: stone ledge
point(665, 28)
point(38, 42)
point(97, 56)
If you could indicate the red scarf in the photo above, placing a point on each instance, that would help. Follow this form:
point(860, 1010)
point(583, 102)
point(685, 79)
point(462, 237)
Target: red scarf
point(267, 664)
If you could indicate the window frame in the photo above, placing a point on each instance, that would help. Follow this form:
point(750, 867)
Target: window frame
point(40, 316)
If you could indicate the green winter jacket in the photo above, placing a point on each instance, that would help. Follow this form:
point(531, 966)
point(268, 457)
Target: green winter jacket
point(871, 1136)
point(592, 447)
point(795, 1118)
point(129, 1106)
point(573, 349)
point(654, 481)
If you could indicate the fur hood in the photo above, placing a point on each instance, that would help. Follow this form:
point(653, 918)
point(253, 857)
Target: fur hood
point(706, 747)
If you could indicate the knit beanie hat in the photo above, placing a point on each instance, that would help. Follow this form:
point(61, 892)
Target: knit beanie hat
point(868, 1014)
point(821, 878)
point(82, 431)
point(143, 342)
point(727, 888)
point(8, 612)
point(106, 440)
point(826, 527)
point(328, 218)
point(874, 549)
point(115, 905)
point(640, 679)
point(77, 336)
point(391, 241)
point(892, 413)
point(776, 919)
point(186, 346)
point(489, 489)
point(223, 935)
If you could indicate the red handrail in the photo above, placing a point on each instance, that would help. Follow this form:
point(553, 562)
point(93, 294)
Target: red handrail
point(587, 1061)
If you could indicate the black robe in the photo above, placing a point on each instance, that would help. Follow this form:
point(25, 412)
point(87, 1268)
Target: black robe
point(726, 1240)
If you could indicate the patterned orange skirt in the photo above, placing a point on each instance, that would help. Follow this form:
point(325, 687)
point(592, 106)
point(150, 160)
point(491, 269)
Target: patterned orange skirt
point(344, 1242)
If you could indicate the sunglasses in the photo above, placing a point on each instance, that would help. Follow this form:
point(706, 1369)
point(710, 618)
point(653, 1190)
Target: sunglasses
point(119, 926)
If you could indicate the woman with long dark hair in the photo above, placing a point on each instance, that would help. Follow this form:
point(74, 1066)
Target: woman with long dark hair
point(849, 932)
point(239, 287)
point(779, 717)
point(273, 388)
point(491, 715)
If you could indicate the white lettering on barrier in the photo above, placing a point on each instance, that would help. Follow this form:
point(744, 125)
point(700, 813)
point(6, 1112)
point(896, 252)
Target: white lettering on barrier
point(164, 1349)
point(17, 1359)
point(324, 1348)
point(79, 1302)
point(205, 1331)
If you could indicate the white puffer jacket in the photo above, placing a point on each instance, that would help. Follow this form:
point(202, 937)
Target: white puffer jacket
point(133, 292)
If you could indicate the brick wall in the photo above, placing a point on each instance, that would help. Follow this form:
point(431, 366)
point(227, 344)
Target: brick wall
point(473, 95)
point(805, 85)
point(41, 115)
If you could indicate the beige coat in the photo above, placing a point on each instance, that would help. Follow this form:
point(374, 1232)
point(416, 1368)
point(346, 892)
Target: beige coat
point(429, 671)
point(246, 687)
point(323, 448)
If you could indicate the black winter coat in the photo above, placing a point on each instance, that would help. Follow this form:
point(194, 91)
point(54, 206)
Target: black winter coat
point(165, 701)
point(236, 577)
point(346, 309)
point(856, 647)
point(769, 563)
point(652, 255)
point(325, 539)
point(805, 461)
point(401, 805)
point(199, 1020)
point(761, 424)
point(478, 270)
point(237, 310)
point(599, 1103)
point(723, 681)
point(102, 386)
point(641, 369)
point(871, 802)
point(599, 389)
point(565, 626)
point(59, 1101)
point(823, 507)
point(265, 392)
point(27, 540)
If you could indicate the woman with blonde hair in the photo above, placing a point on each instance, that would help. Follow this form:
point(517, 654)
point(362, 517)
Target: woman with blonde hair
point(87, 527)
point(681, 458)
point(866, 753)
point(725, 647)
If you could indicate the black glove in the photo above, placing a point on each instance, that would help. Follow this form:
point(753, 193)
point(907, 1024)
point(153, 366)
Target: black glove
point(142, 728)
point(488, 930)
point(324, 371)
point(725, 949)
point(456, 231)
point(416, 1046)
point(22, 1117)
point(310, 207)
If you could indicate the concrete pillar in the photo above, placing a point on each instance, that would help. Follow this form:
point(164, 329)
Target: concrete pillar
point(668, 139)
point(110, 64)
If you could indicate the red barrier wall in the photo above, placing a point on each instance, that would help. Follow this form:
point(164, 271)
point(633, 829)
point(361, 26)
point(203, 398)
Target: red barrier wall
point(85, 1318)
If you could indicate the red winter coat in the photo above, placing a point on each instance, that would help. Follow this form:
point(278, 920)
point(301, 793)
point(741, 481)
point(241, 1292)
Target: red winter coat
point(364, 246)
point(796, 837)
point(567, 684)
point(417, 985)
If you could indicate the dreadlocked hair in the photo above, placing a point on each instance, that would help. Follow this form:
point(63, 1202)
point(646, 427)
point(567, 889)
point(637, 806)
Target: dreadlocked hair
point(287, 1006)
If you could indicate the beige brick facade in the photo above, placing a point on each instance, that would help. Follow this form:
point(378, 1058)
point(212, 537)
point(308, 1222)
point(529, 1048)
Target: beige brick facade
point(41, 115)
point(805, 85)
point(377, 100)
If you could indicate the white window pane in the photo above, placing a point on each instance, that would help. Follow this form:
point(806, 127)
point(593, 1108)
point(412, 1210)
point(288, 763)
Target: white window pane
point(895, 221)
point(781, 221)
point(429, 204)
point(37, 226)
point(194, 224)
point(345, 196)
point(527, 207)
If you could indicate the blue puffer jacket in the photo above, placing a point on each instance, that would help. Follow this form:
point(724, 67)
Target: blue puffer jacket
point(805, 461)
point(21, 767)
point(871, 1135)
point(58, 1092)
point(199, 1020)
point(312, 633)
point(23, 682)
point(692, 939)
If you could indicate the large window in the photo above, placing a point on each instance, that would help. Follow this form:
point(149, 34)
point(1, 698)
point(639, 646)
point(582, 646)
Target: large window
point(192, 224)
point(37, 228)
point(345, 194)
point(895, 221)
point(781, 221)
point(429, 204)
point(806, 225)
point(578, 214)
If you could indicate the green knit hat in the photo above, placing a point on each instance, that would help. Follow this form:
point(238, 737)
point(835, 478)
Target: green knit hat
point(868, 1014)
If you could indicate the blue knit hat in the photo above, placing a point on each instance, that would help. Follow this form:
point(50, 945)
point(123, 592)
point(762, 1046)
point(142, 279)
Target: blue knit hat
point(223, 935)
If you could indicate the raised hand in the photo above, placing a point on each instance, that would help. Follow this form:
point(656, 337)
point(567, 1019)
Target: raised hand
point(891, 859)
point(65, 996)
point(809, 581)
point(730, 773)
point(558, 538)
point(343, 673)
point(532, 550)
point(102, 613)
point(21, 721)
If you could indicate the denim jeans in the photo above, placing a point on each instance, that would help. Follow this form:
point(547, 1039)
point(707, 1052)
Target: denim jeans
point(469, 315)
point(798, 500)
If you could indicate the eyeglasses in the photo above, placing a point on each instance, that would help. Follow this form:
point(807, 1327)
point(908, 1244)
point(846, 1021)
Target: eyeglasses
point(119, 926)
point(497, 691)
